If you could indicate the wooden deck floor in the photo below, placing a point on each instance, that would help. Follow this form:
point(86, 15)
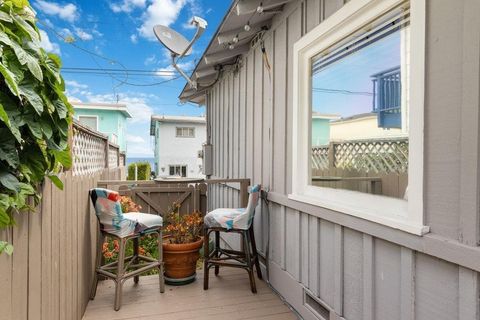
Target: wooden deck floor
point(229, 297)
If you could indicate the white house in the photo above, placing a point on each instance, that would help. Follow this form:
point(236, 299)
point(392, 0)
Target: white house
point(178, 142)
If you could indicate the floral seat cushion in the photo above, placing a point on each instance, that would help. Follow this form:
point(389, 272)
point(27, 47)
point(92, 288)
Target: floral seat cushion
point(238, 218)
point(225, 218)
point(112, 220)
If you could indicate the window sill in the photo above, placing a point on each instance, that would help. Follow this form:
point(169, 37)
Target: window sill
point(383, 210)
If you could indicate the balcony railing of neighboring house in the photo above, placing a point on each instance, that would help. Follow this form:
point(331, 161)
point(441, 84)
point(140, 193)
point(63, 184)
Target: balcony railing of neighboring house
point(93, 152)
point(381, 163)
point(387, 98)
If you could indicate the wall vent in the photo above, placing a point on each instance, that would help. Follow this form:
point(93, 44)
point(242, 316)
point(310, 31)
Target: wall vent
point(316, 305)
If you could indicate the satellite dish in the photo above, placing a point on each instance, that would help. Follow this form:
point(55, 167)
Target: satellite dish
point(178, 45)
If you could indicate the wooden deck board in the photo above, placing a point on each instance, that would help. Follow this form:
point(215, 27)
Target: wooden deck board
point(229, 297)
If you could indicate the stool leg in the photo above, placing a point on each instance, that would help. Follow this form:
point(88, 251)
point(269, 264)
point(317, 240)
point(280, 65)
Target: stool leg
point(217, 250)
point(135, 257)
point(98, 262)
point(248, 260)
point(206, 253)
point(120, 273)
point(255, 252)
point(160, 260)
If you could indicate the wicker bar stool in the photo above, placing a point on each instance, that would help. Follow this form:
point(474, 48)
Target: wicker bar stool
point(123, 227)
point(238, 221)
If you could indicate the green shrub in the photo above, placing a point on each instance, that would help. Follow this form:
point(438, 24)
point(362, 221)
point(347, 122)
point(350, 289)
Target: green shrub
point(34, 114)
point(143, 171)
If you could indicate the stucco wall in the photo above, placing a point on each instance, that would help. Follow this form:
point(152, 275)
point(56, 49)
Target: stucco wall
point(173, 150)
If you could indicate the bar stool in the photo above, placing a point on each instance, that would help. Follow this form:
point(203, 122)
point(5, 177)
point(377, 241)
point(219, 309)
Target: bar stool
point(239, 221)
point(123, 227)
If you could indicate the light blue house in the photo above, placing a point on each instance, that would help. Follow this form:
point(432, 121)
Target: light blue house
point(109, 119)
point(321, 128)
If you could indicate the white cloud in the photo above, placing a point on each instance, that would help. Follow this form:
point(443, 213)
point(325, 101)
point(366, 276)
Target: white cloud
point(166, 72)
point(136, 104)
point(127, 5)
point(139, 150)
point(164, 12)
point(46, 44)
point(134, 38)
point(83, 35)
point(73, 99)
point(75, 84)
point(66, 12)
point(135, 139)
point(150, 60)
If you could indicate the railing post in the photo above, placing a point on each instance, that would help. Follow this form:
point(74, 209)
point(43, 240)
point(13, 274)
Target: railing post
point(244, 193)
point(107, 149)
point(331, 156)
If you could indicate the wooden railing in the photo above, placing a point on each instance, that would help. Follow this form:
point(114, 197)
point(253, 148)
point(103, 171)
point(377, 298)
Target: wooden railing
point(92, 152)
point(377, 156)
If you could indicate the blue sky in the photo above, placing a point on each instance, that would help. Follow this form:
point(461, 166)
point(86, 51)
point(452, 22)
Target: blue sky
point(117, 34)
point(353, 74)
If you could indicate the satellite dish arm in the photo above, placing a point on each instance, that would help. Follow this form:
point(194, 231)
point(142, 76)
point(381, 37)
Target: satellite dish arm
point(201, 26)
point(192, 83)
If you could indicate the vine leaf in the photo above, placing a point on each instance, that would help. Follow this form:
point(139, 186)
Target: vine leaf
point(8, 150)
point(63, 157)
point(56, 181)
point(9, 79)
point(6, 247)
point(28, 91)
point(9, 181)
point(5, 17)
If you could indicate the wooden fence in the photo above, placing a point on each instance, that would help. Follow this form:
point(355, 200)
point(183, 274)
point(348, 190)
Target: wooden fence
point(50, 273)
point(372, 166)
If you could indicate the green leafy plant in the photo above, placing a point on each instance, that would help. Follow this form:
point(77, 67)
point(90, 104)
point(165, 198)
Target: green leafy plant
point(143, 171)
point(35, 114)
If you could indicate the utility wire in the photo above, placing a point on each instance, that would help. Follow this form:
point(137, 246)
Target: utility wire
point(345, 92)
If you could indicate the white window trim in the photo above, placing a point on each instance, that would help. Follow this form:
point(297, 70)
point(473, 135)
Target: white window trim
point(89, 116)
point(396, 213)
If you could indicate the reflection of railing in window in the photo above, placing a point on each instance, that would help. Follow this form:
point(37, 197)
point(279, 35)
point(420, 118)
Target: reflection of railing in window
point(387, 98)
point(378, 166)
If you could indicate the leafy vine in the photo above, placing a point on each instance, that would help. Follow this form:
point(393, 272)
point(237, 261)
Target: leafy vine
point(35, 115)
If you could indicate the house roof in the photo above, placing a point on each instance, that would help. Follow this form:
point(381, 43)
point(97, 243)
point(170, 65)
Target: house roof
point(327, 116)
point(218, 55)
point(103, 106)
point(356, 117)
point(174, 119)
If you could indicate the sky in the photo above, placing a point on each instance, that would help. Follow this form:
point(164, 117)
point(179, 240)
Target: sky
point(349, 79)
point(117, 34)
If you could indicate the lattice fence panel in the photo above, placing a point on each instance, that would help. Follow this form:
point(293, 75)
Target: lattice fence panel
point(88, 152)
point(112, 157)
point(379, 156)
point(320, 157)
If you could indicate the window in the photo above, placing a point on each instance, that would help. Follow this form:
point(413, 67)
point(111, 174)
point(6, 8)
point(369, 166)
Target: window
point(358, 113)
point(186, 132)
point(178, 170)
point(89, 121)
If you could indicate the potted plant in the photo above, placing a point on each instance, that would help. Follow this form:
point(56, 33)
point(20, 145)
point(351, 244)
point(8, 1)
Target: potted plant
point(181, 245)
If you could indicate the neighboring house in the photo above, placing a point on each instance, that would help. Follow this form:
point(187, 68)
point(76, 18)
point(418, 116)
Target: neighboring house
point(321, 128)
point(359, 127)
point(177, 146)
point(351, 254)
point(109, 119)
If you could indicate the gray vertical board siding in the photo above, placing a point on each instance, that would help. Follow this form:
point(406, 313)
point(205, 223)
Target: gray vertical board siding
point(235, 126)
point(327, 262)
point(469, 162)
point(436, 289)
point(443, 88)
point(386, 280)
point(242, 162)
point(280, 113)
point(294, 32)
point(292, 243)
point(352, 271)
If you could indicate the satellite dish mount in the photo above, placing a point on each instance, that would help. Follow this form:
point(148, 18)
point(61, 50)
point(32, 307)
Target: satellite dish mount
point(178, 45)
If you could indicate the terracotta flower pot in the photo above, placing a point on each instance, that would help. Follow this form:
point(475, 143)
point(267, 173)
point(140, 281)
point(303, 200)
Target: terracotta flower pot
point(181, 261)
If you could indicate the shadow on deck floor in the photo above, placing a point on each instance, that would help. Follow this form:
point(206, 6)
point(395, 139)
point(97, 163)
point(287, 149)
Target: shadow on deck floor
point(229, 297)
